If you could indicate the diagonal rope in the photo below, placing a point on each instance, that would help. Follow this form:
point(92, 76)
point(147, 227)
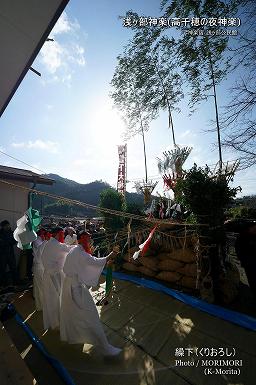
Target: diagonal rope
point(101, 209)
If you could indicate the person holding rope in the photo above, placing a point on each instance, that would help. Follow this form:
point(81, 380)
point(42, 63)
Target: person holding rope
point(79, 318)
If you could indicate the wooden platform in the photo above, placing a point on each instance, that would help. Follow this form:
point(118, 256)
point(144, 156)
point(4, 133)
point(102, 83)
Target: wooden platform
point(150, 327)
point(13, 370)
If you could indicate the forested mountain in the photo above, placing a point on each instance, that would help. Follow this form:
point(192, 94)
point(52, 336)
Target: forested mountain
point(89, 193)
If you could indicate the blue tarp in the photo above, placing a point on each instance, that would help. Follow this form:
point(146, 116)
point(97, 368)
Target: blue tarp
point(217, 311)
point(62, 371)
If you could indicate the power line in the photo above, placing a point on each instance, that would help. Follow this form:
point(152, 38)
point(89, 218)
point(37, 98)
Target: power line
point(21, 161)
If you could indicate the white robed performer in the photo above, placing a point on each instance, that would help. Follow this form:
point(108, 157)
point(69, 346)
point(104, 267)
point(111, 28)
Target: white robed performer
point(53, 258)
point(79, 318)
point(38, 269)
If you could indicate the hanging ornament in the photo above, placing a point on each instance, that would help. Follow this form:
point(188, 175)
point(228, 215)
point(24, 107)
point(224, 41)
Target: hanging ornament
point(151, 209)
point(161, 210)
point(146, 188)
point(171, 165)
point(168, 210)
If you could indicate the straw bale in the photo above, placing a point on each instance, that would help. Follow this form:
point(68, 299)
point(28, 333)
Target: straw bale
point(151, 263)
point(188, 282)
point(130, 266)
point(183, 255)
point(189, 269)
point(164, 256)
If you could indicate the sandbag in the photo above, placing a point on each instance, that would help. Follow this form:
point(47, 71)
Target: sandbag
point(189, 269)
point(145, 270)
point(170, 265)
point(169, 276)
point(164, 256)
point(130, 266)
point(151, 263)
point(188, 282)
point(184, 255)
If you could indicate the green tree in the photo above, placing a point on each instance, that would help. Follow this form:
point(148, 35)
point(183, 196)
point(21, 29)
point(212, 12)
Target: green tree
point(111, 199)
point(201, 57)
point(239, 120)
point(155, 70)
point(128, 98)
point(206, 195)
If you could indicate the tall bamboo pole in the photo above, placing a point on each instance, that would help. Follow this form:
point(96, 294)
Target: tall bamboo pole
point(216, 109)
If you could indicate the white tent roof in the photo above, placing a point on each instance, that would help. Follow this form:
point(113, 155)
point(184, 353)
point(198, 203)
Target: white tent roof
point(24, 27)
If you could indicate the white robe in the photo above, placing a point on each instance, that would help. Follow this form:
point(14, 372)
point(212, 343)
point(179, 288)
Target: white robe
point(79, 318)
point(38, 270)
point(53, 258)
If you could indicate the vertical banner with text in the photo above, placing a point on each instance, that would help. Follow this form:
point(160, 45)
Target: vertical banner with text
point(121, 179)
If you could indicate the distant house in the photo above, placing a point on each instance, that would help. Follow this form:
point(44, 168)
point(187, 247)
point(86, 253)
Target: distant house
point(14, 201)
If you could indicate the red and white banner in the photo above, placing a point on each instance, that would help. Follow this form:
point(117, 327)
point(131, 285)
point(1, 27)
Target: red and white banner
point(143, 248)
point(121, 179)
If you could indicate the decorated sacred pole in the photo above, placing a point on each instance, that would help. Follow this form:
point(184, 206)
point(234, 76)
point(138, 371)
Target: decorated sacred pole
point(122, 169)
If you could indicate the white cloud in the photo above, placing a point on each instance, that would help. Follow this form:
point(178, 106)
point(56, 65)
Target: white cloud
point(61, 56)
point(39, 144)
point(63, 25)
point(52, 56)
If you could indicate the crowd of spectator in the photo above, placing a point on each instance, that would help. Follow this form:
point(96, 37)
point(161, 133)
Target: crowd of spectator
point(11, 276)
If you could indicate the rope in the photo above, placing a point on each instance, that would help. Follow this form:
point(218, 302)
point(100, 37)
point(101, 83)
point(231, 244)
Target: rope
point(104, 210)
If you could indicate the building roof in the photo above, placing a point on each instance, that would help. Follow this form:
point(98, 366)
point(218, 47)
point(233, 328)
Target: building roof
point(24, 26)
point(12, 173)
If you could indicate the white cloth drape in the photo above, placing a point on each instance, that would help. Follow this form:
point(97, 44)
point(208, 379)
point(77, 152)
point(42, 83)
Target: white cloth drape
point(21, 234)
point(53, 258)
point(79, 318)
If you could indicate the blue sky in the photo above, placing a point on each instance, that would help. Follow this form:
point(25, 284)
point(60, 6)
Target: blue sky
point(64, 122)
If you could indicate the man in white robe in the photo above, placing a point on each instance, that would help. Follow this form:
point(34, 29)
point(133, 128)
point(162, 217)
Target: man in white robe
point(79, 318)
point(38, 269)
point(53, 258)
